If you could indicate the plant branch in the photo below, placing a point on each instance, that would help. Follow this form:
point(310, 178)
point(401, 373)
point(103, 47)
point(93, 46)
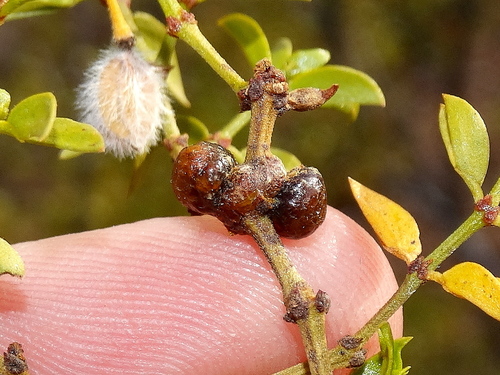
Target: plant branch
point(298, 296)
point(266, 95)
point(120, 27)
point(339, 356)
point(261, 127)
point(473, 223)
point(183, 25)
point(234, 126)
point(495, 193)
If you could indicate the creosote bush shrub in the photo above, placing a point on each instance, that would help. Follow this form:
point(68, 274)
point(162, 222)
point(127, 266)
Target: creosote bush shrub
point(128, 104)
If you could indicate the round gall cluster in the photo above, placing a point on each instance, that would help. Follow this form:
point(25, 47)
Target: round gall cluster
point(207, 180)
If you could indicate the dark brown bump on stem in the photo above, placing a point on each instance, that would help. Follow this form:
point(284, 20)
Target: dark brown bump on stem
point(297, 307)
point(173, 26)
point(14, 360)
point(420, 267)
point(490, 212)
point(350, 342)
point(127, 43)
point(266, 94)
point(188, 17)
point(322, 302)
point(357, 359)
point(309, 98)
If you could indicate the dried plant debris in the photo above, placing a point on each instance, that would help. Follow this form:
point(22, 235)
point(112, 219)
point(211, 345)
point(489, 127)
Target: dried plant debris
point(14, 361)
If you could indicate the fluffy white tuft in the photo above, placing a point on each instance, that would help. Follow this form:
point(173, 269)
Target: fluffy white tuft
point(125, 99)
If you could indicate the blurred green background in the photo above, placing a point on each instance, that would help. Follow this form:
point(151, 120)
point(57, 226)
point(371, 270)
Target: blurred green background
point(415, 50)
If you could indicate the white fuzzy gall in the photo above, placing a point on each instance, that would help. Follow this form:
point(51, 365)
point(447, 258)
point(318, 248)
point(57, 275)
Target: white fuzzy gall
point(124, 98)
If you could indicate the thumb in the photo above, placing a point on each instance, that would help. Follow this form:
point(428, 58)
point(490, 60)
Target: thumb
point(181, 296)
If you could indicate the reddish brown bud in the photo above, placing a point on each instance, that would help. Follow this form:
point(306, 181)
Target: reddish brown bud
point(308, 98)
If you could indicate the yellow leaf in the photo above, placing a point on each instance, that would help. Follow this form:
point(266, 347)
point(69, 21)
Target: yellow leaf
point(397, 230)
point(474, 283)
point(10, 261)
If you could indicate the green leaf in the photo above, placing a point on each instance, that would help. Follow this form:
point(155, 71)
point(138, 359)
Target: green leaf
point(395, 227)
point(466, 140)
point(5, 127)
point(4, 104)
point(474, 283)
point(235, 125)
point(196, 129)
point(281, 52)
point(302, 61)
point(67, 134)
point(140, 165)
point(67, 154)
point(175, 84)
point(388, 361)
point(239, 155)
point(33, 117)
point(289, 160)
point(355, 88)
point(10, 261)
point(16, 9)
point(159, 48)
point(151, 34)
point(23, 15)
point(248, 34)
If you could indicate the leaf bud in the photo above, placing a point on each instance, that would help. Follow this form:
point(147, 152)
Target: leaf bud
point(308, 98)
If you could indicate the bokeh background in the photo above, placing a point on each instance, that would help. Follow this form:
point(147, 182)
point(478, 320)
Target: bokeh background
point(415, 50)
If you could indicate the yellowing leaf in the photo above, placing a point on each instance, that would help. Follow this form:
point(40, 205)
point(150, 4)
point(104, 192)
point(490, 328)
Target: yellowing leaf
point(395, 227)
point(466, 140)
point(474, 283)
point(10, 261)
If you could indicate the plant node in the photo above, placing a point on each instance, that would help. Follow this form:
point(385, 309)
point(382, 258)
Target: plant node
point(14, 360)
point(357, 359)
point(420, 267)
point(297, 307)
point(490, 212)
point(350, 342)
point(174, 24)
point(322, 302)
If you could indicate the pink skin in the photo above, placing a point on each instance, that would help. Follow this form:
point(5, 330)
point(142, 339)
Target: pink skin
point(181, 296)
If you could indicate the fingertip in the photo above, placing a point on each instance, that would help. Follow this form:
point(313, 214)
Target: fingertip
point(180, 295)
